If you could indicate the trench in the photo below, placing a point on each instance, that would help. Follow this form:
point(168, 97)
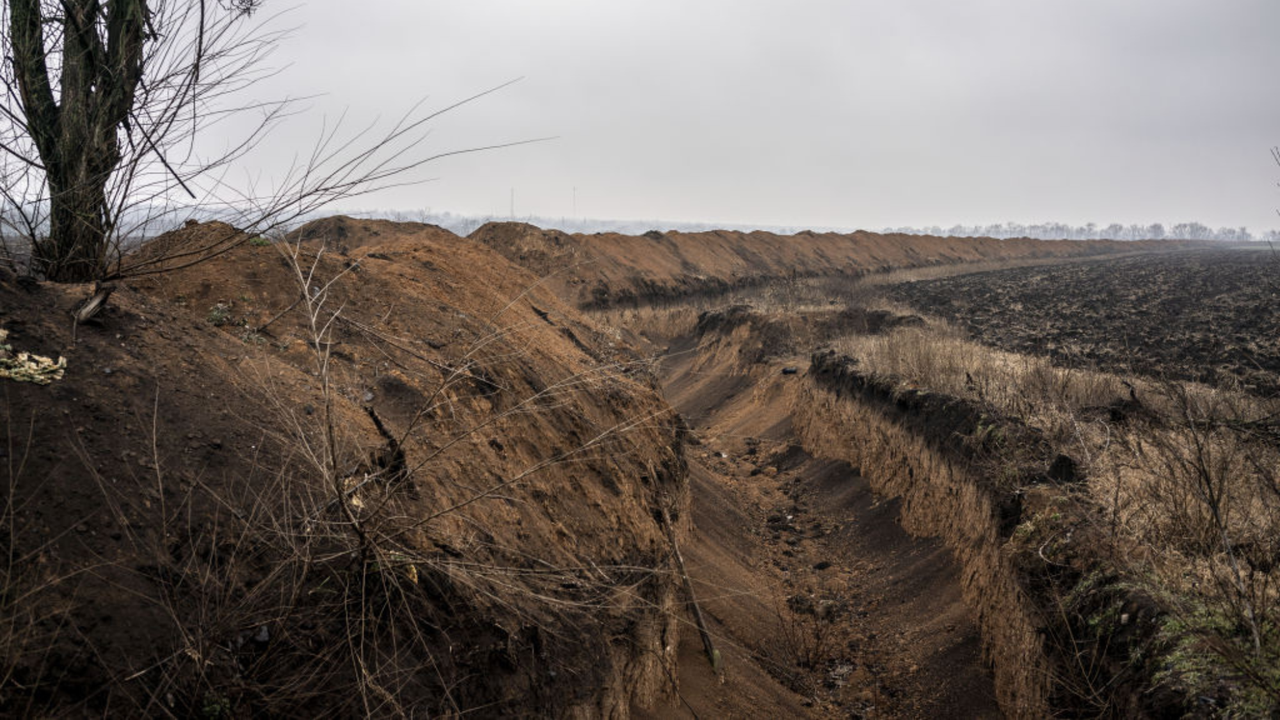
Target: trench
point(777, 527)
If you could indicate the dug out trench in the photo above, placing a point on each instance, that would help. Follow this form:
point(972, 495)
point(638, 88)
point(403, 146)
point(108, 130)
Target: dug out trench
point(805, 573)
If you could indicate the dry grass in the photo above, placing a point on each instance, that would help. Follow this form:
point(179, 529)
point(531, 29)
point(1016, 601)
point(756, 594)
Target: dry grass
point(1059, 401)
point(1184, 477)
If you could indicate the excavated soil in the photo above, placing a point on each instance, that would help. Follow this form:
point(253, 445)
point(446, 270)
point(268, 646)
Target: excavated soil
point(807, 573)
point(177, 545)
point(173, 547)
point(607, 269)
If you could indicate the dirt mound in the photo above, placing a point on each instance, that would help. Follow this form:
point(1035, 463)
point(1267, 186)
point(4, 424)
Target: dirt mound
point(181, 246)
point(610, 269)
point(342, 234)
point(402, 481)
point(543, 252)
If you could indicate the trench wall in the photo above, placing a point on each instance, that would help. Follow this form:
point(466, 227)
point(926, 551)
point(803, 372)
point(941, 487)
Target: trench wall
point(900, 445)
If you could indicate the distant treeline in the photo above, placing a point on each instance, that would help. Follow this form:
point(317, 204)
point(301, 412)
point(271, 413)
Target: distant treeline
point(152, 221)
point(1091, 231)
point(465, 224)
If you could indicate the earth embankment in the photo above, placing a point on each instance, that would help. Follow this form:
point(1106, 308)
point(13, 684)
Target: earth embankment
point(400, 480)
point(607, 269)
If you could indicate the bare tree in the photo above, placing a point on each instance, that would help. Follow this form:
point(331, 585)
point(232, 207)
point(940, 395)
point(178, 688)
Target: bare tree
point(103, 103)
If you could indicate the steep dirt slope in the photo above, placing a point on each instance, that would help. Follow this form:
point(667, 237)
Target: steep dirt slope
point(836, 466)
point(609, 269)
point(452, 506)
point(603, 269)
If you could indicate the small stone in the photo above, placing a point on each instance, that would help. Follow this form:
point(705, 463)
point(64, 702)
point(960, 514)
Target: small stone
point(822, 565)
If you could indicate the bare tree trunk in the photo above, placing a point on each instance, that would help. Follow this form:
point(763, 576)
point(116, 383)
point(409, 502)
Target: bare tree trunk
point(75, 250)
point(77, 130)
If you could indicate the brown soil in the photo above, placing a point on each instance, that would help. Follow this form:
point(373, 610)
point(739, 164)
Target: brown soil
point(882, 629)
point(607, 269)
point(156, 492)
point(180, 540)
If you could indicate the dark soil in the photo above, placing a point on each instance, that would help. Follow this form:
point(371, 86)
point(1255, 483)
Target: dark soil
point(1208, 316)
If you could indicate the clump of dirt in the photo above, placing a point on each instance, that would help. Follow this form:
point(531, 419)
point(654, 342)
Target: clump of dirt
point(403, 480)
point(191, 243)
point(546, 253)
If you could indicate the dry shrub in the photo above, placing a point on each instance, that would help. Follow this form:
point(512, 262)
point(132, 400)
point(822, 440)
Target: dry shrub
point(812, 634)
point(1198, 495)
point(656, 323)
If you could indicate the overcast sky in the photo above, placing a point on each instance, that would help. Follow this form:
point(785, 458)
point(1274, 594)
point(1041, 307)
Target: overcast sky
point(816, 112)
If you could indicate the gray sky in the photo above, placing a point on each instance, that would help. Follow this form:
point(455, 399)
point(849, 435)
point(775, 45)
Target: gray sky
point(816, 112)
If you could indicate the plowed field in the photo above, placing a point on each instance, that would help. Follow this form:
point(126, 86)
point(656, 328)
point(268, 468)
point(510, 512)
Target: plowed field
point(1211, 316)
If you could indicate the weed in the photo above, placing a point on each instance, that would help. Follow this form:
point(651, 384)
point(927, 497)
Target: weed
point(251, 337)
point(219, 314)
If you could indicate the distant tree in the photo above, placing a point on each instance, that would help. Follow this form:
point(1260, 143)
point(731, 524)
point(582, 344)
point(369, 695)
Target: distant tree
point(1190, 231)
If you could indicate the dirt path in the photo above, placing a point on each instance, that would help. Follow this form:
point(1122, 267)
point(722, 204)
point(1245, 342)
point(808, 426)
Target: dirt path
point(821, 604)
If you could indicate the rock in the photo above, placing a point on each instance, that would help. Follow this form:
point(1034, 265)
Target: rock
point(790, 370)
point(821, 565)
